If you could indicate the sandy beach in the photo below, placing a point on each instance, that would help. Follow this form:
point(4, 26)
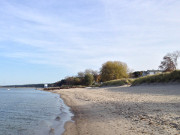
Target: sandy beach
point(150, 109)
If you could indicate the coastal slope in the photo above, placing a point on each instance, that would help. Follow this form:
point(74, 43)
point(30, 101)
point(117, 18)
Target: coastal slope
point(151, 109)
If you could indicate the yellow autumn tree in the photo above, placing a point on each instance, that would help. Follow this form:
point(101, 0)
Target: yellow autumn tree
point(112, 70)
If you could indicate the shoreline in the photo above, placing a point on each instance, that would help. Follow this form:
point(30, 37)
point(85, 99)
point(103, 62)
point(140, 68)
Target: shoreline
point(123, 110)
point(70, 124)
point(63, 119)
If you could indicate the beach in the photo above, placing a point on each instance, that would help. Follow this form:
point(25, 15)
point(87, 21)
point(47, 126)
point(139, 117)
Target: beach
point(125, 110)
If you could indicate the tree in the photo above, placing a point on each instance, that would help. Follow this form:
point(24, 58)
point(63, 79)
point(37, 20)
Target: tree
point(96, 76)
point(88, 79)
point(169, 62)
point(81, 74)
point(90, 71)
point(94, 73)
point(77, 81)
point(69, 80)
point(112, 70)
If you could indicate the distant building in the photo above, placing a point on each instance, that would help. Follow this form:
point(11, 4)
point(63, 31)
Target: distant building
point(136, 74)
point(151, 72)
point(45, 85)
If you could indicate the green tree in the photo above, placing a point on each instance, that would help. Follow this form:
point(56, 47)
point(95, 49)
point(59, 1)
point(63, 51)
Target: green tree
point(77, 81)
point(112, 70)
point(88, 79)
point(89, 71)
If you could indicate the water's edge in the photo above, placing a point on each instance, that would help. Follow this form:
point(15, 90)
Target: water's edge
point(66, 117)
point(32, 112)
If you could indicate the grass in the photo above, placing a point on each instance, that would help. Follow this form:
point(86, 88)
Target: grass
point(159, 78)
point(118, 82)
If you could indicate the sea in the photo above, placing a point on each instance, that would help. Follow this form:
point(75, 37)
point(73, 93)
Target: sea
point(27, 111)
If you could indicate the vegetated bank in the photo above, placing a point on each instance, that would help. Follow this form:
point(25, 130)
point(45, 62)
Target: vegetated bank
point(159, 78)
point(118, 82)
point(150, 79)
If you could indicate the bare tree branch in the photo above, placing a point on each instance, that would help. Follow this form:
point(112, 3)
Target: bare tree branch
point(169, 62)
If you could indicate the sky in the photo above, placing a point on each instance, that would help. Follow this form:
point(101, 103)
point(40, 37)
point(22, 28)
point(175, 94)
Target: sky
point(46, 40)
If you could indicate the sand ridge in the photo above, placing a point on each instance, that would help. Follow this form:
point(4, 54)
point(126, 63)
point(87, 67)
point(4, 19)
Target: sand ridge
point(151, 110)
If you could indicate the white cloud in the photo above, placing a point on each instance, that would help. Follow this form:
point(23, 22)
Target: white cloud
point(130, 31)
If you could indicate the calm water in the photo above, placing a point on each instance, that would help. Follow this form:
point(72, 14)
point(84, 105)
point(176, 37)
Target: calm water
point(31, 112)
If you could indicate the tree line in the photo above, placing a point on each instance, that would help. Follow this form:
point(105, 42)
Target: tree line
point(112, 70)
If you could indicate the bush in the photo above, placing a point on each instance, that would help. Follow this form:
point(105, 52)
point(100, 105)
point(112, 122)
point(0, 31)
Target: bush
point(112, 70)
point(88, 79)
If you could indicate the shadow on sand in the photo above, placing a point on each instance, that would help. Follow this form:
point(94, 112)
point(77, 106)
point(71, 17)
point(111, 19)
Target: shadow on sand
point(163, 89)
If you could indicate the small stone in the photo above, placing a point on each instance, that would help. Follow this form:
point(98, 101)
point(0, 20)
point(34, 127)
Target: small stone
point(57, 118)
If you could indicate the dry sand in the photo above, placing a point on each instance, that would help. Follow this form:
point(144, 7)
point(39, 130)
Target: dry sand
point(151, 110)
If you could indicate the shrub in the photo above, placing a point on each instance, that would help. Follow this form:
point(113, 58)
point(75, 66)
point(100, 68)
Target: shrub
point(88, 79)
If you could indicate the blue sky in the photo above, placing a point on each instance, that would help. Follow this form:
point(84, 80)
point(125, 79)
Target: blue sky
point(47, 40)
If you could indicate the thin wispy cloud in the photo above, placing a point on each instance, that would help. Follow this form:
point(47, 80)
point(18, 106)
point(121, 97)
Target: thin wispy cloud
point(83, 34)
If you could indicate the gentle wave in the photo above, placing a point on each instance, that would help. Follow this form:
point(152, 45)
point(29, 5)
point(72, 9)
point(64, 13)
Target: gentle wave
point(32, 112)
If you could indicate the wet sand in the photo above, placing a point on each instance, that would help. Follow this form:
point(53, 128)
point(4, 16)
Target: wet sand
point(151, 110)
